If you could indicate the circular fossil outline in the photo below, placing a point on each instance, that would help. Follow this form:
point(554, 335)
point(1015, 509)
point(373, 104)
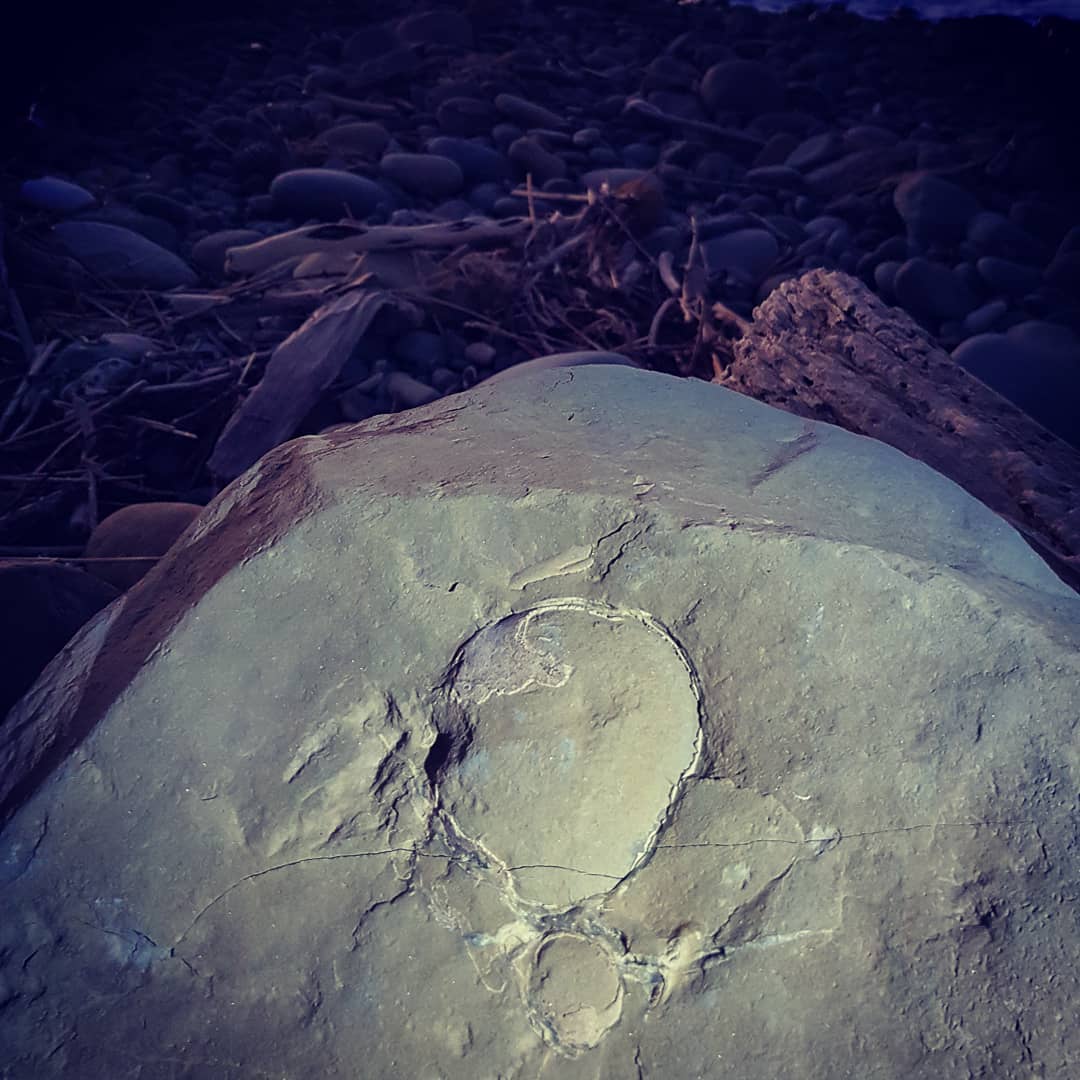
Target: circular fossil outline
point(489, 638)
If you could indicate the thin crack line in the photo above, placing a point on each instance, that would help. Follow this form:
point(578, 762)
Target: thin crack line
point(841, 835)
point(835, 837)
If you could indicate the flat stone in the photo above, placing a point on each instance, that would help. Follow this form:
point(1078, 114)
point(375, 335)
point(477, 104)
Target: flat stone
point(429, 175)
point(125, 545)
point(748, 254)
point(1040, 376)
point(532, 730)
point(357, 137)
point(55, 195)
point(208, 254)
point(815, 151)
point(559, 360)
point(465, 116)
point(934, 208)
point(742, 86)
point(931, 290)
point(530, 157)
point(326, 194)
point(995, 234)
point(436, 28)
point(123, 257)
point(478, 163)
point(527, 113)
point(1007, 277)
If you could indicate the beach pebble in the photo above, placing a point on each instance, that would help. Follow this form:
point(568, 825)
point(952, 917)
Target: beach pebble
point(164, 207)
point(1039, 376)
point(775, 178)
point(465, 116)
point(667, 72)
point(56, 195)
point(369, 43)
point(934, 208)
point(408, 392)
point(747, 254)
point(478, 163)
point(1064, 272)
point(527, 113)
point(984, 318)
point(815, 151)
point(429, 175)
point(933, 291)
point(143, 531)
point(742, 86)
point(361, 137)
point(154, 229)
point(1008, 278)
point(325, 194)
point(530, 157)
point(994, 234)
point(42, 604)
point(436, 28)
point(208, 254)
point(123, 257)
point(422, 350)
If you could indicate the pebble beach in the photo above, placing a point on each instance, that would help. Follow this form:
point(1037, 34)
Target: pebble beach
point(932, 160)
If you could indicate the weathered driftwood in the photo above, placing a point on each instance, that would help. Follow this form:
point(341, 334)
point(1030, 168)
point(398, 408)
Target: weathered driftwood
point(346, 236)
point(824, 347)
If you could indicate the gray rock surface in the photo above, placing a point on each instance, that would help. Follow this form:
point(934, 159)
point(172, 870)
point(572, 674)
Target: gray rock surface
point(595, 723)
point(123, 257)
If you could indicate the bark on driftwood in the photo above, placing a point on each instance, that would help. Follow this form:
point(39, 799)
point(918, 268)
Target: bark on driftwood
point(824, 347)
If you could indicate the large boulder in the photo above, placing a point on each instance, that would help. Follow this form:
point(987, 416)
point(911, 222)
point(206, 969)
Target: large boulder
point(590, 723)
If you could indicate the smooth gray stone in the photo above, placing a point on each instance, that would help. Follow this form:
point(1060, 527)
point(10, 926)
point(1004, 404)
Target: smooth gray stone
point(463, 116)
point(429, 175)
point(123, 257)
point(1007, 277)
point(358, 136)
point(816, 150)
point(748, 254)
point(530, 157)
point(157, 231)
point(56, 195)
point(1040, 376)
point(436, 28)
point(326, 194)
point(931, 290)
point(934, 208)
point(742, 86)
point(983, 318)
point(209, 253)
point(527, 113)
point(478, 163)
point(995, 234)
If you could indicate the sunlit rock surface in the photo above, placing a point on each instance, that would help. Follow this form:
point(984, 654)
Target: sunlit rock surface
point(594, 723)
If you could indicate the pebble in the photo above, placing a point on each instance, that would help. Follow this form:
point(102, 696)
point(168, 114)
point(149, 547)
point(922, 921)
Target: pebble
point(747, 254)
point(123, 257)
point(145, 531)
point(930, 290)
point(984, 318)
point(208, 254)
point(527, 113)
point(55, 195)
point(1040, 378)
point(429, 175)
point(436, 28)
point(1008, 278)
point(465, 116)
point(478, 163)
point(531, 158)
point(164, 207)
point(325, 194)
point(933, 208)
point(154, 229)
point(361, 137)
point(815, 151)
point(746, 87)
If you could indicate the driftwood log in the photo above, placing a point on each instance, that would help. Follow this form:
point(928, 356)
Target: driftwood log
point(824, 347)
